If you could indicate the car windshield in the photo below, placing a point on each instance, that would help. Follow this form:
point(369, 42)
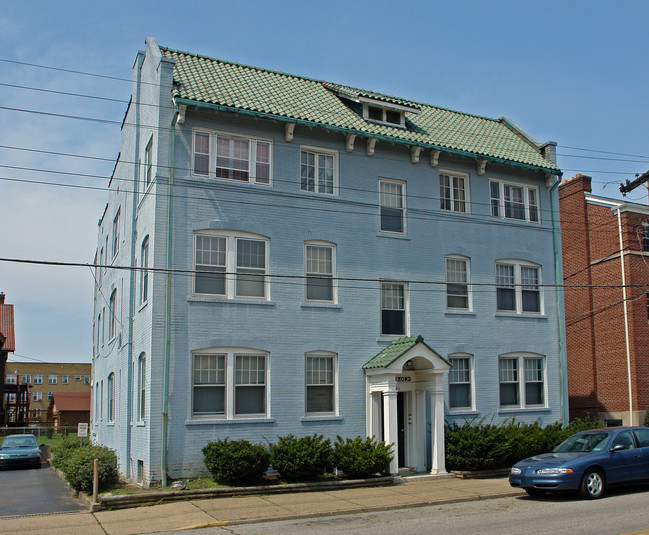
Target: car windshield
point(18, 441)
point(583, 443)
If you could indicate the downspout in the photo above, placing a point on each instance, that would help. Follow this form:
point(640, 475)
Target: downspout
point(626, 318)
point(558, 269)
point(167, 357)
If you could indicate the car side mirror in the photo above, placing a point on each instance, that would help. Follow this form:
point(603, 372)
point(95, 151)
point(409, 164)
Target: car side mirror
point(618, 447)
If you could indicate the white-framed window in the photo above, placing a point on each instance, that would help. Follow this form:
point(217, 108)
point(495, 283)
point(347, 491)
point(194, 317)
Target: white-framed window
point(77, 378)
point(518, 287)
point(645, 237)
point(514, 201)
point(384, 112)
point(112, 311)
point(64, 379)
point(52, 379)
point(392, 206)
point(26, 379)
point(320, 383)
point(144, 272)
point(229, 383)
point(522, 380)
point(453, 192)
point(232, 157)
point(11, 379)
point(318, 170)
point(86, 379)
point(49, 396)
point(116, 233)
point(148, 164)
point(103, 325)
point(110, 402)
point(95, 416)
point(394, 320)
point(319, 268)
point(141, 387)
point(101, 401)
point(37, 396)
point(460, 382)
point(38, 378)
point(11, 398)
point(232, 265)
point(250, 385)
point(457, 283)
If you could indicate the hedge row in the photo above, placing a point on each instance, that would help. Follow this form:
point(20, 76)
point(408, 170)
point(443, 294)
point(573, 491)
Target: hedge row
point(76, 463)
point(477, 445)
point(239, 462)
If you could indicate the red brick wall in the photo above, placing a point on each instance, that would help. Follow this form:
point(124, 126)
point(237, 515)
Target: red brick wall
point(595, 331)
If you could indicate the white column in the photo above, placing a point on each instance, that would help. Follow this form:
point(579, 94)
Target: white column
point(420, 431)
point(437, 431)
point(374, 419)
point(390, 431)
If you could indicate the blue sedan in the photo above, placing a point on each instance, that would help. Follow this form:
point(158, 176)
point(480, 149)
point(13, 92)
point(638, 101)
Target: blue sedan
point(17, 450)
point(587, 462)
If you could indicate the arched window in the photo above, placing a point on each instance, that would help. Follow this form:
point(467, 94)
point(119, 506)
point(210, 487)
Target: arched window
point(141, 387)
point(144, 273)
point(112, 311)
point(111, 397)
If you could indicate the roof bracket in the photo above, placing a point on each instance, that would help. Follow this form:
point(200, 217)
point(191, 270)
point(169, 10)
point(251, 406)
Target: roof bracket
point(482, 164)
point(414, 154)
point(549, 179)
point(288, 129)
point(350, 142)
point(434, 157)
point(182, 108)
point(371, 144)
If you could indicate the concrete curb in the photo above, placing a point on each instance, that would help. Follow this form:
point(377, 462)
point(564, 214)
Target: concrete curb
point(134, 500)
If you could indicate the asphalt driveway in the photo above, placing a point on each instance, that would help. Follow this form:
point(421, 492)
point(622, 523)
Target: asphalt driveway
point(25, 491)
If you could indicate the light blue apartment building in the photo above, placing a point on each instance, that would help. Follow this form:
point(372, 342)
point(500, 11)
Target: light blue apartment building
point(286, 255)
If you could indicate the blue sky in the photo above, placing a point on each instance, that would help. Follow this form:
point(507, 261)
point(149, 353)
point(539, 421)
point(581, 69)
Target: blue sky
point(572, 72)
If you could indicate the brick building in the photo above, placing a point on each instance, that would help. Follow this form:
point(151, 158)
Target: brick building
point(46, 378)
point(7, 345)
point(68, 409)
point(606, 303)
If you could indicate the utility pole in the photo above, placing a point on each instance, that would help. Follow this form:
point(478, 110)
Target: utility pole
point(630, 186)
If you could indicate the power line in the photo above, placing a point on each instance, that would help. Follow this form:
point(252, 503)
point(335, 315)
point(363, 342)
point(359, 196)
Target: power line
point(301, 277)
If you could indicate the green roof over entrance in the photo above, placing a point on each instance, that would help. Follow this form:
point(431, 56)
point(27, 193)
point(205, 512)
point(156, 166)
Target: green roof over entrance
point(222, 85)
point(397, 349)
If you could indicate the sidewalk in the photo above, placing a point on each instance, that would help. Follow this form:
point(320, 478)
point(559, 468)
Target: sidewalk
point(193, 513)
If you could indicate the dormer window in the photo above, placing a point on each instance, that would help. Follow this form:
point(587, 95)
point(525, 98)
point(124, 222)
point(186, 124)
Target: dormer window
point(387, 113)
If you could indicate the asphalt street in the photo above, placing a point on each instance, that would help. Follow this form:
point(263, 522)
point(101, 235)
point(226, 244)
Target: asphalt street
point(623, 511)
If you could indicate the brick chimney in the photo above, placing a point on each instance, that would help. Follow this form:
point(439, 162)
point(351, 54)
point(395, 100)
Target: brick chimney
point(2, 298)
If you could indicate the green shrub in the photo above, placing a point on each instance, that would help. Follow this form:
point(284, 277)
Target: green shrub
point(78, 468)
point(484, 446)
point(61, 452)
point(301, 459)
point(361, 458)
point(236, 462)
point(472, 446)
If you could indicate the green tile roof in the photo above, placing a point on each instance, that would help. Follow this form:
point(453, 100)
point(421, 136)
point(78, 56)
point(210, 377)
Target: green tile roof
point(240, 88)
point(396, 349)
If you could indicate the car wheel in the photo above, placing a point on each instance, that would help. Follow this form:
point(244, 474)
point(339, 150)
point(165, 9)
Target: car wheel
point(535, 492)
point(592, 484)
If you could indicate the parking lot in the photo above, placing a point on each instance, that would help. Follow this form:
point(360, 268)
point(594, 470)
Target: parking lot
point(26, 491)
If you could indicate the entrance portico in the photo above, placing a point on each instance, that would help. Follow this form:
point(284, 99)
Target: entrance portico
point(397, 380)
